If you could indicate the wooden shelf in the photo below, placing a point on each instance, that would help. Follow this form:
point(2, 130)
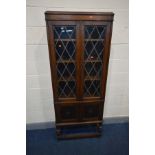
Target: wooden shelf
point(73, 61)
point(65, 61)
point(92, 78)
point(64, 39)
point(87, 78)
point(80, 135)
point(93, 39)
point(66, 79)
point(91, 60)
point(75, 39)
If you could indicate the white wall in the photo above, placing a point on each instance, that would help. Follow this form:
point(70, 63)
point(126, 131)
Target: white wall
point(39, 91)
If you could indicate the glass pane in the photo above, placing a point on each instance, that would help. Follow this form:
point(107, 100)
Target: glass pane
point(65, 48)
point(93, 69)
point(64, 32)
point(93, 56)
point(64, 42)
point(92, 88)
point(93, 50)
point(66, 88)
point(94, 32)
point(65, 70)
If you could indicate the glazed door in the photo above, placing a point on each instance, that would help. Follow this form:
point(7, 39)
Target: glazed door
point(64, 56)
point(93, 58)
point(79, 54)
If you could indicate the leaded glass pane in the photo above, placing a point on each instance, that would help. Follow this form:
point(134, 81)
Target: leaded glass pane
point(65, 50)
point(66, 88)
point(64, 32)
point(65, 47)
point(65, 70)
point(93, 50)
point(94, 32)
point(93, 56)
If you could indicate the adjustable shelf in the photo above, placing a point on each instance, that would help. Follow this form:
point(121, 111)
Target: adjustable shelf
point(65, 61)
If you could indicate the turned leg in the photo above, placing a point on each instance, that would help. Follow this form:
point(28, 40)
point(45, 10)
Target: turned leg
point(58, 131)
point(99, 128)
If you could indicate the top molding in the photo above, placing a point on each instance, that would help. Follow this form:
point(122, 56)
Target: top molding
point(61, 15)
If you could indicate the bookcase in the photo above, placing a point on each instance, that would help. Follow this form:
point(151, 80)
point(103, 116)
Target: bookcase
point(79, 50)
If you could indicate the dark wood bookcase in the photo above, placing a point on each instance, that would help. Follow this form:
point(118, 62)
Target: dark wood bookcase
point(79, 50)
